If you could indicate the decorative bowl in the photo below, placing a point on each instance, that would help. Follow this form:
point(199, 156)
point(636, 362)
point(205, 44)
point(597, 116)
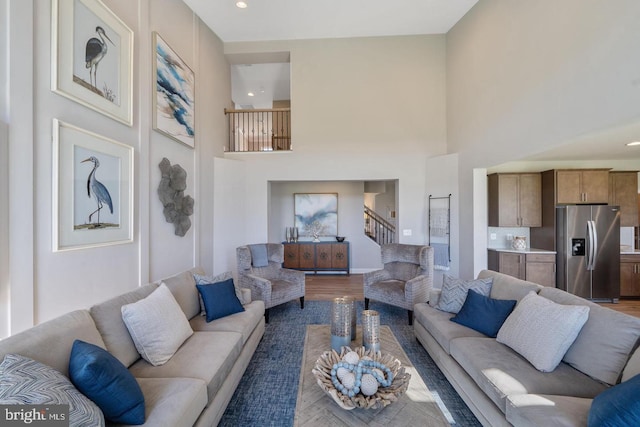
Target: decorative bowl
point(383, 397)
point(340, 238)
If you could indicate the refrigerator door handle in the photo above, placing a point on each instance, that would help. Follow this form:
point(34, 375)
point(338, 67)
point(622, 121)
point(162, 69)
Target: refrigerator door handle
point(592, 249)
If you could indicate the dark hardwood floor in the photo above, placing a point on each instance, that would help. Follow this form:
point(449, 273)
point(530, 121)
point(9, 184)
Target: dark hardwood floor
point(325, 287)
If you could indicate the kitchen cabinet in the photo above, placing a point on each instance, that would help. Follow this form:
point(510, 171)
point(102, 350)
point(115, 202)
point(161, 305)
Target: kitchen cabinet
point(623, 192)
point(630, 275)
point(515, 200)
point(576, 186)
point(321, 256)
point(533, 267)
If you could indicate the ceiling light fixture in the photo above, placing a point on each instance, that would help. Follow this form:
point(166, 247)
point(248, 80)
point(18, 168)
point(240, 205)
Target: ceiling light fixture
point(242, 4)
point(633, 144)
point(251, 94)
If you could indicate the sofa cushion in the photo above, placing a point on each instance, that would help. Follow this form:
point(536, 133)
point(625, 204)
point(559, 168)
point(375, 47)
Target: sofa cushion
point(534, 410)
point(244, 323)
point(500, 372)
point(173, 402)
point(454, 292)
point(483, 314)
point(56, 336)
point(440, 326)
point(157, 325)
point(182, 286)
point(209, 356)
point(604, 344)
point(105, 380)
point(219, 299)
point(541, 330)
point(108, 319)
point(617, 406)
point(26, 381)
point(508, 287)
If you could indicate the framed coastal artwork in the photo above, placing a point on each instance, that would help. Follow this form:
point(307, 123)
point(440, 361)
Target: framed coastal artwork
point(92, 190)
point(316, 214)
point(174, 95)
point(92, 57)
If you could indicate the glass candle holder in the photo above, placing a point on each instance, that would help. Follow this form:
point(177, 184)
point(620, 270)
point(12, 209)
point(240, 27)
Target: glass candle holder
point(340, 323)
point(352, 302)
point(371, 330)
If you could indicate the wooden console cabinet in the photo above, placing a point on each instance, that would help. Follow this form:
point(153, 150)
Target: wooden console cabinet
point(320, 256)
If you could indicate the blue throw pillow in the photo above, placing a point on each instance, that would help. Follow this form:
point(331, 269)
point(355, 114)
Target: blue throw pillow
point(105, 380)
point(219, 299)
point(259, 257)
point(617, 406)
point(484, 314)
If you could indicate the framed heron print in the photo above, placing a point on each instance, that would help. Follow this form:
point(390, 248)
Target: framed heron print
point(93, 189)
point(173, 99)
point(92, 52)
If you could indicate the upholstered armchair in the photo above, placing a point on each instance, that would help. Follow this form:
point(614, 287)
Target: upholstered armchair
point(260, 269)
point(405, 280)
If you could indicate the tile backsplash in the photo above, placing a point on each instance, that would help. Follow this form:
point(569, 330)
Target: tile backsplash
point(504, 236)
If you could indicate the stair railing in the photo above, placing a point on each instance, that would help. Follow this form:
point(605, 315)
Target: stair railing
point(378, 228)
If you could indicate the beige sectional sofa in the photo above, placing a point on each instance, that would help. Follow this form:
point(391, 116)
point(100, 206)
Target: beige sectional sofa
point(194, 387)
point(502, 388)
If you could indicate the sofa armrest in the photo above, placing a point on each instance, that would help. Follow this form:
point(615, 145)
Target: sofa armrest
point(245, 296)
point(434, 297)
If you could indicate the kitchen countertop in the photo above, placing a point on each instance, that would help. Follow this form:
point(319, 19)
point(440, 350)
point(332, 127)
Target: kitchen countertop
point(630, 252)
point(524, 251)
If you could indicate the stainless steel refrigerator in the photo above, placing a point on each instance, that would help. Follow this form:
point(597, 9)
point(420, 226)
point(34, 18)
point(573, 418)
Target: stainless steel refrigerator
point(588, 247)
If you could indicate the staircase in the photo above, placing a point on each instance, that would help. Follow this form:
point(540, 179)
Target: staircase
point(377, 228)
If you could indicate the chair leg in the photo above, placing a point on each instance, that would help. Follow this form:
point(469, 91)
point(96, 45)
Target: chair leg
point(266, 315)
point(301, 302)
point(410, 313)
point(366, 303)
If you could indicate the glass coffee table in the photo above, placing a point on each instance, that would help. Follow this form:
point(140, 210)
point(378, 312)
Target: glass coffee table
point(315, 408)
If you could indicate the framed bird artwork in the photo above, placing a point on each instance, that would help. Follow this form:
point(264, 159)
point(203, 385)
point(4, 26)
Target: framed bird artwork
point(93, 189)
point(92, 52)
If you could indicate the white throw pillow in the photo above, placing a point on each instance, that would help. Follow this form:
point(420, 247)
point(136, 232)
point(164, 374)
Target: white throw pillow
point(157, 325)
point(542, 331)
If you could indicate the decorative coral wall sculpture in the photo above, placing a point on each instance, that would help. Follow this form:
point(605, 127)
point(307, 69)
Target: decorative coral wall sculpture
point(177, 206)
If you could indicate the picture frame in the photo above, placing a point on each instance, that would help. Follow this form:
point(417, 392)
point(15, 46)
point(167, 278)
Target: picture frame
point(174, 94)
point(316, 214)
point(92, 58)
point(92, 189)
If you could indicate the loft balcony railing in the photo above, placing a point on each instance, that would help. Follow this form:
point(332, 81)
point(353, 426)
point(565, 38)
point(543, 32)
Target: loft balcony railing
point(259, 130)
point(377, 228)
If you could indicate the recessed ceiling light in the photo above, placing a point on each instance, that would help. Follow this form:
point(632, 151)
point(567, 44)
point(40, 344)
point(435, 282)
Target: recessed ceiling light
point(241, 4)
point(632, 144)
point(251, 94)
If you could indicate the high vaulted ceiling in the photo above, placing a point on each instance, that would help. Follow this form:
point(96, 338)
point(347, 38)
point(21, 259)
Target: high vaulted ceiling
point(304, 19)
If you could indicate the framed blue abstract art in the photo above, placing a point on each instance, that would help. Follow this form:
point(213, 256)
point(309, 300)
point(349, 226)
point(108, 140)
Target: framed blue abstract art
point(316, 214)
point(174, 98)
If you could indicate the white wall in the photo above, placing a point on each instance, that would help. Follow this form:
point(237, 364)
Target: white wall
point(362, 109)
point(442, 180)
point(364, 253)
point(43, 283)
point(516, 87)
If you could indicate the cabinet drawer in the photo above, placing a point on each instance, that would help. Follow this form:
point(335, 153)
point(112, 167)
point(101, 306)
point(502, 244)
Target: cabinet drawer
point(629, 258)
point(541, 258)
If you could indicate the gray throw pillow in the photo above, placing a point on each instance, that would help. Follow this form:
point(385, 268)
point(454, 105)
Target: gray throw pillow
point(26, 381)
point(454, 292)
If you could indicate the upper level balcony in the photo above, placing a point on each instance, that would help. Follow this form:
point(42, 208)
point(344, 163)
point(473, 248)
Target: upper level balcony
point(259, 130)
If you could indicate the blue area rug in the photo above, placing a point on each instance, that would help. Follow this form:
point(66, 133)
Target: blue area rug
point(266, 395)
